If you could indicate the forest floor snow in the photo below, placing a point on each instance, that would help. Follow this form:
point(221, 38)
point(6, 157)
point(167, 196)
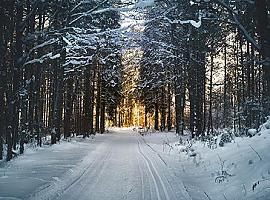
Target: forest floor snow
point(125, 165)
point(239, 170)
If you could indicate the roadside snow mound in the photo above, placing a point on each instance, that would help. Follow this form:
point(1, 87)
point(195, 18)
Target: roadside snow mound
point(265, 128)
point(238, 170)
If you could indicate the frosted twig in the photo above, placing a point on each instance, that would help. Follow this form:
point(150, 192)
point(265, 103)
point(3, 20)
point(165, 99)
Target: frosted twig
point(256, 152)
point(207, 196)
point(245, 189)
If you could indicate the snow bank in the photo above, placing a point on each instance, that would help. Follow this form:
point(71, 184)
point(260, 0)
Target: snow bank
point(265, 128)
point(41, 166)
point(144, 4)
point(238, 170)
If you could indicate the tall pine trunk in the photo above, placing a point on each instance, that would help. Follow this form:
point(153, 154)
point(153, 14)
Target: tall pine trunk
point(156, 117)
point(163, 110)
point(210, 116)
point(68, 108)
point(102, 108)
point(169, 102)
point(2, 84)
point(98, 101)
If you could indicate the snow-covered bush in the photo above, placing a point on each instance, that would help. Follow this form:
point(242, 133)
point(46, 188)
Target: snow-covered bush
point(211, 142)
point(225, 137)
point(251, 132)
point(266, 125)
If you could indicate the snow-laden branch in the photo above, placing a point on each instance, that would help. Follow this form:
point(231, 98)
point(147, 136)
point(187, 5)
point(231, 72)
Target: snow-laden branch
point(196, 24)
point(67, 41)
point(141, 4)
point(84, 14)
point(144, 4)
point(42, 59)
point(44, 44)
point(239, 24)
point(75, 62)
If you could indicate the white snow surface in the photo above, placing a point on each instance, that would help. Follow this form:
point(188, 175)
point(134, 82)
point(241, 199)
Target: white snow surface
point(246, 173)
point(144, 3)
point(125, 165)
point(196, 24)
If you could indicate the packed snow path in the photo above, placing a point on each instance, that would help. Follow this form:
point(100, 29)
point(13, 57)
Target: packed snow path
point(124, 165)
point(117, 166)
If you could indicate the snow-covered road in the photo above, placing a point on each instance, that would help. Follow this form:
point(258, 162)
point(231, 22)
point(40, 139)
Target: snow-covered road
point(124, 165)
point(120, 165)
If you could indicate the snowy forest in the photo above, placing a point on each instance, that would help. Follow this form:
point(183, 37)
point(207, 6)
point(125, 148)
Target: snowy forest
point(180, 73)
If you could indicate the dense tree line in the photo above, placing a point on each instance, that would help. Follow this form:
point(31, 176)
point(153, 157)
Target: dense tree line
point(210, 60)
point(59, 65)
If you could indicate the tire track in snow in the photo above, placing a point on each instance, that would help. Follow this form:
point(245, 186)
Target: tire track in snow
point(141, 178)
point(155, 176)
point(94, 170)
point(181, 187)
point(58, 188)
point(154, 151)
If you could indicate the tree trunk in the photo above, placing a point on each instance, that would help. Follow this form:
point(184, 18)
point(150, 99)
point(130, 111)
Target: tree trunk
point(57, 105)
point(102, 107)
point(98, 101)
point(210, 117)
point(9, 124)
point(225, 112)
point(2, 84)
point(102, 116)
point(177, 109)
point(169, 119)
point(68, 108)
point(145, 117)
point(17, 79)
point(156, 117)
point(91, 112)
point(163, 110)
